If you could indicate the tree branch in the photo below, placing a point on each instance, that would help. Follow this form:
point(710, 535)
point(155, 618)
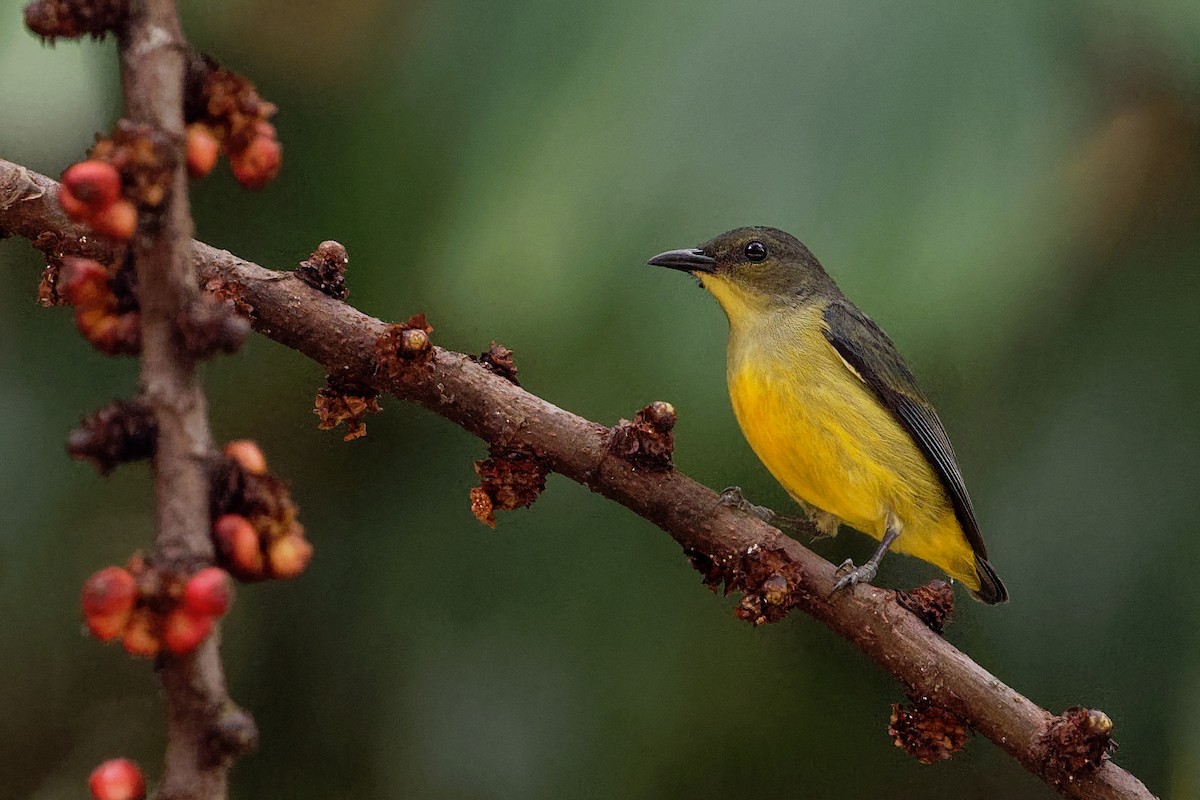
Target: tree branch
point(725, 544)
point(199, 711)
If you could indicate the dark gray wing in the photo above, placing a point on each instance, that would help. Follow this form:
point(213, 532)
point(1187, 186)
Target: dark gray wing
point(871, 354)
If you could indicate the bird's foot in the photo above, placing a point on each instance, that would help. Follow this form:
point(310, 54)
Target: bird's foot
point(732, 497)
point(855, 575)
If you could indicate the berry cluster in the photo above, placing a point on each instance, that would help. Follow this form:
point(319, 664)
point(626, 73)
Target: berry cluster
point(255, 529)
point(106, 311)
point(227, 115)
point(130, 170)
point(91, 194)
point(150, 610)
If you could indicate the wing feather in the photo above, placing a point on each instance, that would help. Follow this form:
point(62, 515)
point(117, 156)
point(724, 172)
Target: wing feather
point(873, 357)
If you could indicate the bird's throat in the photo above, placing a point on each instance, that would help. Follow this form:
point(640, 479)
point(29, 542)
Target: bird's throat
point(742, 308)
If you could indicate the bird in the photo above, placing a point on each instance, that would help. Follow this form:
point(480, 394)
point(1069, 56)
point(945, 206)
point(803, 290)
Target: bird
point(832, 410)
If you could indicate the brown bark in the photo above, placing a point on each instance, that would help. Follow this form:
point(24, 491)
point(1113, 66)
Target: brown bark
point(203, 726)
point(722, 541)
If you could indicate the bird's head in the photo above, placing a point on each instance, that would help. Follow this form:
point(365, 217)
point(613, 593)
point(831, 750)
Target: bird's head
point(751, 270)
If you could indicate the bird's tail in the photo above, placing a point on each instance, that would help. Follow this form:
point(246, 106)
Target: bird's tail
point(991, 588)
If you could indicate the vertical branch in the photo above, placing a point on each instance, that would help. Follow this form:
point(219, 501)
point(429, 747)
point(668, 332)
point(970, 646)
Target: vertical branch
point(204, 728)
point(152, 64)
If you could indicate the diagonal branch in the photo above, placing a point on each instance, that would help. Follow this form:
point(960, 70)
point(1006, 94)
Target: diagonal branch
point(726, 544)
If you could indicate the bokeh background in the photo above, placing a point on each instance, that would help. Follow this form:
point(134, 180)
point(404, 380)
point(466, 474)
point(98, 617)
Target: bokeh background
point(1011, 190)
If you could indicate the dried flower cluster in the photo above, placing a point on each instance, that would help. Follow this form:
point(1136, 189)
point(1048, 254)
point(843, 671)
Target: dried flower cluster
point(145, 159)
point(1076, 743)
point(71, 19)
point(325, 270)
point(926, 731)
point(122, 431)
point(337, 406)
point(498, 359)
point(770, 583)
point(508, 479)
point(932, 603)
point(255, 527)
point(226, 115)
point(647, 442)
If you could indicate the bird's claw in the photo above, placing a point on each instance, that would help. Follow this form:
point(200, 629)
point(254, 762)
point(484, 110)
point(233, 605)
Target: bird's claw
point(854, 575)
point(732, 497)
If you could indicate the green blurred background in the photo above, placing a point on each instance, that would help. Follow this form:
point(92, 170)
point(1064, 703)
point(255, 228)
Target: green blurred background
point(1012, 191)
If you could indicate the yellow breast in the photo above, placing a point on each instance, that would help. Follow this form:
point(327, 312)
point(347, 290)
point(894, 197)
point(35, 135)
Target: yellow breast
point(826, 438)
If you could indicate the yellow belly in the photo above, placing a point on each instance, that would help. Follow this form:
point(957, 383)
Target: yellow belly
point(820, 431)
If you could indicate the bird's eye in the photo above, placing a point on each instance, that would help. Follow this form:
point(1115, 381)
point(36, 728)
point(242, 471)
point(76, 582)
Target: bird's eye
point(756, 251)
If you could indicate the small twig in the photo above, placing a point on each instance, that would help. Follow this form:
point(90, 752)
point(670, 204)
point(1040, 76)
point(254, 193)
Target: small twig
point(727, 544)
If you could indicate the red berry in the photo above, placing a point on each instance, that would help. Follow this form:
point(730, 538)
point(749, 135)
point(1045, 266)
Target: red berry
point(76, 209)
point(111, 333)
point(248, 455)
point(208, 592)
point(140, 638)
point(84, 282)
point(289, 555)
point(202, 150)
point(183, 631)
point(258, 163)
point(118, 220)
point(95, 184)
point(96, 324)
point(238, 542)
point(108, 600)
point(118, 779)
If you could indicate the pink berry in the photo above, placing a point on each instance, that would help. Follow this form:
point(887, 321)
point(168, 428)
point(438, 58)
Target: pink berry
point(183, 631)
point(248, 455)
point(289, 555)
point(108, 600)
point(208, 593)
point(118, 779)
point(258, 163)
point(95, 184)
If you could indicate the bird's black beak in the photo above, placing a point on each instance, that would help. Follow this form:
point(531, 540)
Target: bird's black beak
point(690, 260)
